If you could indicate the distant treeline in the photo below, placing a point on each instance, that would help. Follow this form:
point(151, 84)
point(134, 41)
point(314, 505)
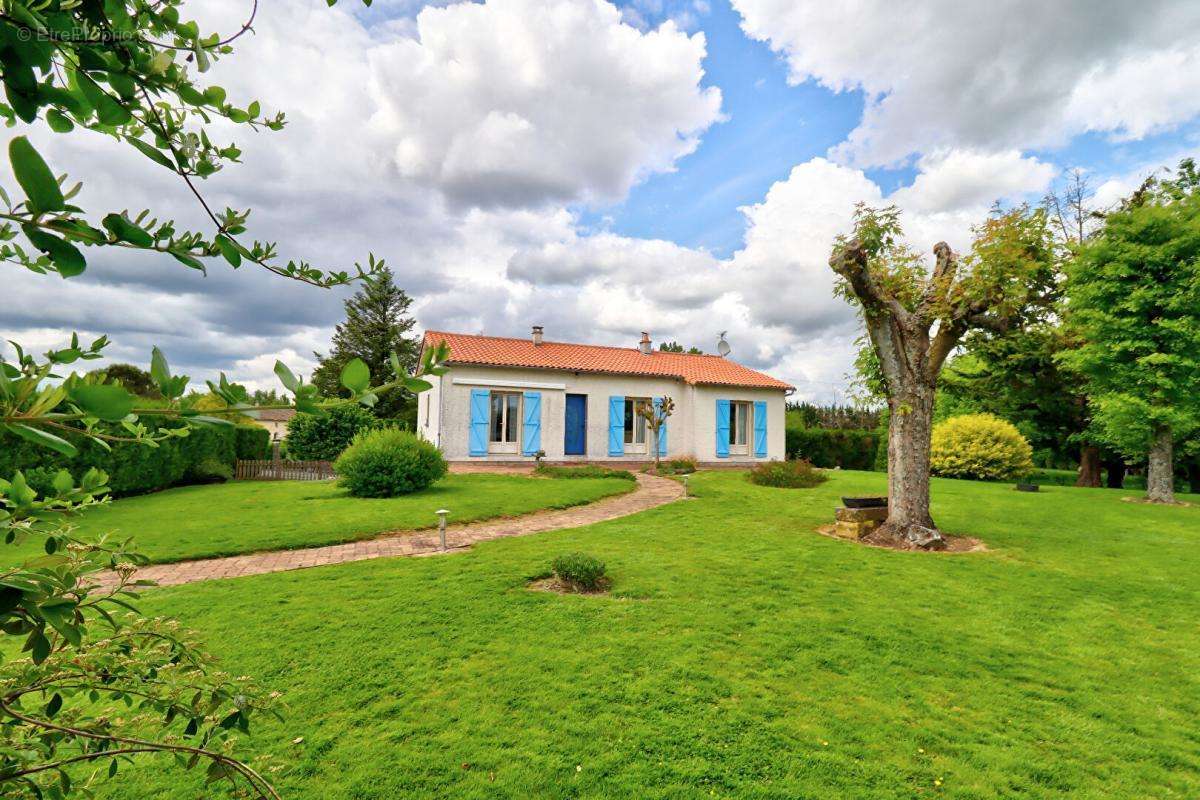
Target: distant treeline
point(832, 417)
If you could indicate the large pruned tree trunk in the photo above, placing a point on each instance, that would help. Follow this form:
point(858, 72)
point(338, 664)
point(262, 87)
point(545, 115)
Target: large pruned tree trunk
point(909, 430)
point(1160, 476)
point(915, 320)
point(911, 358)
point(1089, 466)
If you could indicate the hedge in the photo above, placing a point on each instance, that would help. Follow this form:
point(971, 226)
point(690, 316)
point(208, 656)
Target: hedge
point(252, 442)
point(824, 447)
point(323, 437)
point(206, 453)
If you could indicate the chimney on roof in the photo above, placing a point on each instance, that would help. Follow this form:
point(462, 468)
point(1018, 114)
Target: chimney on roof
point(537, 334)
point(645, 345)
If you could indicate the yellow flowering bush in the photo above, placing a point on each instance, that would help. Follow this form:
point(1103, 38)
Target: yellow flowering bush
point(980, 447)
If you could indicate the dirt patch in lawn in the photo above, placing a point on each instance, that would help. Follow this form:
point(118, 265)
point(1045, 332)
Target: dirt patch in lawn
point(954, 544)
point(1146, 501)
point(553, 584)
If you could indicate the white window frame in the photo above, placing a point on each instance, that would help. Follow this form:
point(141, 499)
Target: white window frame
point(507, 424)
point(746, 409)
point(639, 426)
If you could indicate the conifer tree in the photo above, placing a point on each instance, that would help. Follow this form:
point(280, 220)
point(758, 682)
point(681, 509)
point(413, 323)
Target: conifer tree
point(376, 325)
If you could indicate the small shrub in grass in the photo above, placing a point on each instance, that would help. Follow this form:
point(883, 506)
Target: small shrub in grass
point(787, 475)
point(979, 447)
point(387, 462)
point(580, 571)
point(682, 466)
point(589, 471)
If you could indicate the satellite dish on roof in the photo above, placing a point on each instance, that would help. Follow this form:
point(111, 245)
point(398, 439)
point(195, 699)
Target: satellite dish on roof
point(723, 347)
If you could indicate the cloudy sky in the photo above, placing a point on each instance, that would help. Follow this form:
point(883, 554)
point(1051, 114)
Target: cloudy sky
point(677, 166)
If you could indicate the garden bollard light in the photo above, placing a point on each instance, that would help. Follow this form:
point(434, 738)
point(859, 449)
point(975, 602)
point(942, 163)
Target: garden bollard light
point(685, 489)
point(442, 512)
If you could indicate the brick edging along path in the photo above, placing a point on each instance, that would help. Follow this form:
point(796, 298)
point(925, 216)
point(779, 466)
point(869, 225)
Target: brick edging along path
point(651, 491)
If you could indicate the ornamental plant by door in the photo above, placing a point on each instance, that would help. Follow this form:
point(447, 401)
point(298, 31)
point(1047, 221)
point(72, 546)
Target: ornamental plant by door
point(656, 415)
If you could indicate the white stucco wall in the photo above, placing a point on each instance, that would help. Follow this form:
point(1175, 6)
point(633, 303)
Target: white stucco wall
point(444, 418)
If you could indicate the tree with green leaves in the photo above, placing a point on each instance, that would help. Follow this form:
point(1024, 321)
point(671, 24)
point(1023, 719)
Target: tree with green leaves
point(676, 347)
point(77, 654)
point(133, 378)
point(1016, 376)
point(916, 318)
point(1134, 302)
point(376, 326)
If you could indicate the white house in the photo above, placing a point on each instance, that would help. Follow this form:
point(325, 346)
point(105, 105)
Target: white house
point(504, 399)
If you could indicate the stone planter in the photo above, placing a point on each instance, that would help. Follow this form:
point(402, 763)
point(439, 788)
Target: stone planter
point(865, 502)
point(855, 523)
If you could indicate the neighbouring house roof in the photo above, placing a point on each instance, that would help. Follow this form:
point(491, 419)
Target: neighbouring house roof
point(275, 414)
point(500, 351)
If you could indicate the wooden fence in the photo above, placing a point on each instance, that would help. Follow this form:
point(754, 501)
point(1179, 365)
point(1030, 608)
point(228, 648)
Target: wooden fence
point(282, 470)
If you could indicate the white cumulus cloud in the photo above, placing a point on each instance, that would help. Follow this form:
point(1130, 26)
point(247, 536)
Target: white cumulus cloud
point(991, 76)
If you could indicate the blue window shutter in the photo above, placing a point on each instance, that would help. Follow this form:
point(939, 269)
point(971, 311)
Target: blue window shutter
point(616, 426)
point(662, 432)
point(722, 429)
point(480, 404)
point(531, 431)
point(760, 429)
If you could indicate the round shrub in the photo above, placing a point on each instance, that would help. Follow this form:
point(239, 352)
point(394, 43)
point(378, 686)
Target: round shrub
point(323, 437)
point(980, 447)
point(580, 571)
point(787, 475)
point(386, 462)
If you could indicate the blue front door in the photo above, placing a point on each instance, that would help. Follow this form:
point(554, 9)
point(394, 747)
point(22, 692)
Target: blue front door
point(576, 427)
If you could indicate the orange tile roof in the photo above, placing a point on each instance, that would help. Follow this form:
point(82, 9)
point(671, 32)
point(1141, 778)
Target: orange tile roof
point(502, 351)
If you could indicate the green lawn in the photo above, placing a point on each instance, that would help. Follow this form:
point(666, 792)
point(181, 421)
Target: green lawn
point(742, 656)
point(244, 516)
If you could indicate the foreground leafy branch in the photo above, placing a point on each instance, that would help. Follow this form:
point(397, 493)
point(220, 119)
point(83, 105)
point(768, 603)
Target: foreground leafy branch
point(123, 68)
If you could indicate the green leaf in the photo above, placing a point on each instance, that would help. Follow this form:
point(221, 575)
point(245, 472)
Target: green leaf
point(201, 57)
point(160, 370)
point(43, 438)
point(287, 377)
point(63, 482)
point(416, 385)
point(60, 612)
point(59, 122)
point(54, 705)
point(126, 231)
point(108, 402)
point(34, 176)
point(152, 153)
point(356, 375)
point(229, 250)
point(184, 258)
point(108, 110)
point(206, 420)
point(38, 646)
point(67, 259)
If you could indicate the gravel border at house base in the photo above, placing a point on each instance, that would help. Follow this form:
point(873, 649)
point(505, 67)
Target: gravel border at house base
point(651, 492)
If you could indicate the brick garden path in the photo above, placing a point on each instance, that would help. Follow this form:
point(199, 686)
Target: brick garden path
point(651, 491)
